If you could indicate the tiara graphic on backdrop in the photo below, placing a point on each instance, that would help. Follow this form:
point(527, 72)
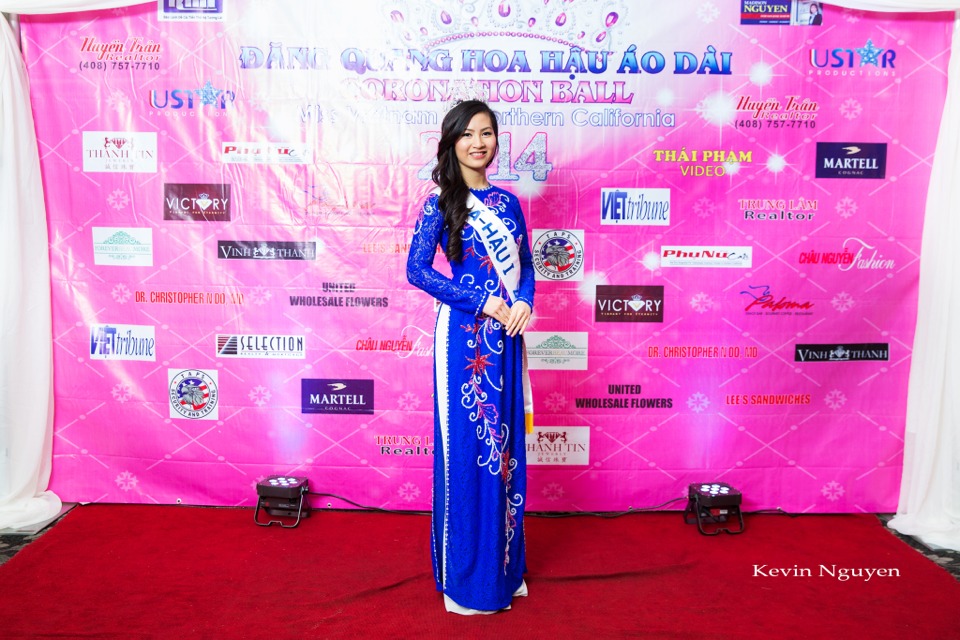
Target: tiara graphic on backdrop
point(464, 90)
point(589, 25)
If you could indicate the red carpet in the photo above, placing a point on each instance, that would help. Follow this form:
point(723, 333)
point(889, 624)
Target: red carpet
point(111, 571)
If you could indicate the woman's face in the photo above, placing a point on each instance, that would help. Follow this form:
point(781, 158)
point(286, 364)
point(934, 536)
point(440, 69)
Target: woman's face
point(814, 9)
point(477, 145)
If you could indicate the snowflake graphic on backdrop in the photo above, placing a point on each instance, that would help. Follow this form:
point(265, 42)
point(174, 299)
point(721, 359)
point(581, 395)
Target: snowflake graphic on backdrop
point(701, 302)
point(704, 207)
point(121, 293)
point(121, 392)
point(832, 490)
point(708, 12)
point(260, 295)
point(118, 101)
point(835, 399)
point(118, 199)
point(552, 492)
point(408, 401)
point(260, 395)
point(842, 302)
point(126, 481)
point(846, 207)
point(555, 402)
point(408, 491)
point(698, 402)
point(850, 109)
point(556, 301)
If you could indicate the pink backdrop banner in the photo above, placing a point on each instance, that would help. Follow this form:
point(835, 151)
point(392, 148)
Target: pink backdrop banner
point(725, 205)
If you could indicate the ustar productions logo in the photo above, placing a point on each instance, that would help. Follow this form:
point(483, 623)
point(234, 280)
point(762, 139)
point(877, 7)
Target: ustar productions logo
point(562, 350)
point(558, 254)
point(119, 151)
point(193, 394)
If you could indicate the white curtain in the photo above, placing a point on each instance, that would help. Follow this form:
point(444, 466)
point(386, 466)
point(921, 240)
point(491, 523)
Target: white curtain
point(930, 495)
point(26, 341)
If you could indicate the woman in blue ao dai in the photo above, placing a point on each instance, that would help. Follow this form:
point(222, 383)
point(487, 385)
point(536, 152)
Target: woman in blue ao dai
point(481, 401)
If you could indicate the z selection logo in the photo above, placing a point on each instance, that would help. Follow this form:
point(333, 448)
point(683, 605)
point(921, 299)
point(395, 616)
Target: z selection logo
point(851, 160)
point(336, 396)
point(558, 254)
point(629, 303)
point(842, 353)
point(260, 346)
point(206, 202)
point(193, 394)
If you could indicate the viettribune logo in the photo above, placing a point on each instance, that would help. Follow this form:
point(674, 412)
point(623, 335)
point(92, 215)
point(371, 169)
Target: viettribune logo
point(193, 394)
point(122, 342)
point(189, 201)
point(861, 160)
point(266, 153)
point(842, 352)
point(261, 346)
point(563, 350)
point(336, 396)
point(119, 152)
point(729, 257)
point(650, 207)
point(261, 250)
point(558, 254)
point(635, 303)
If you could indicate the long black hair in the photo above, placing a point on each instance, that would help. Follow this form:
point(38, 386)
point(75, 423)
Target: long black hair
point(447, 173)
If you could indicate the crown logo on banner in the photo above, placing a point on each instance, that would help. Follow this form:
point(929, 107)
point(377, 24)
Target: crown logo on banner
point(590, 26)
